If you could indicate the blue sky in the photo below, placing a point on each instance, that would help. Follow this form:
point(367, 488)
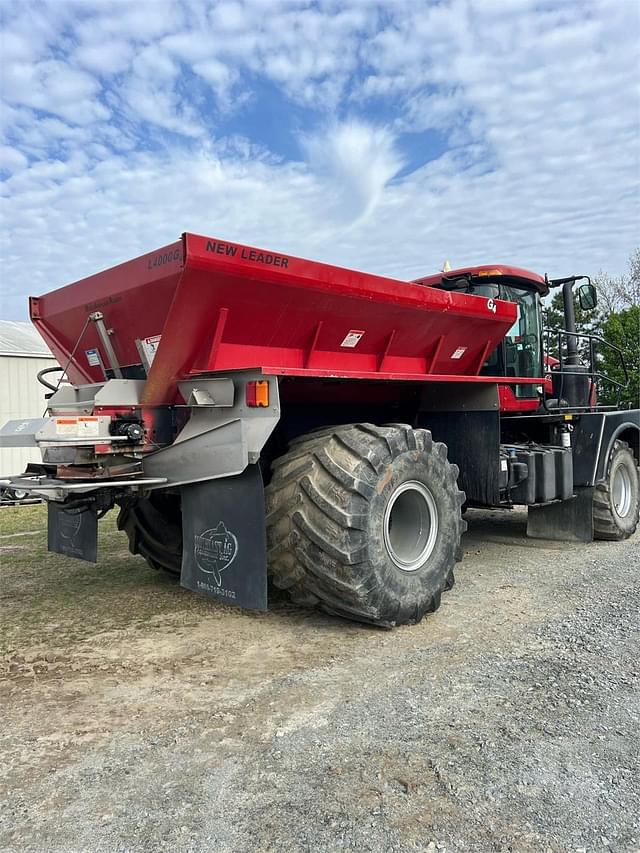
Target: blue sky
point(383, 136)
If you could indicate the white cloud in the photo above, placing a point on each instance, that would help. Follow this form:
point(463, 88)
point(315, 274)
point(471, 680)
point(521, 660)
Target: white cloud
point(112, 138)
point(110, 57)
point(356, 161)
point(189, 45)
point(15, 47)
point(219, 76)
point(228, 16)
point(11, 159)
point(140, 22)
point(52, 86)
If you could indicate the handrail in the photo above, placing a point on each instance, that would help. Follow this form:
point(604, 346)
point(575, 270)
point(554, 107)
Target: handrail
point(592, 372)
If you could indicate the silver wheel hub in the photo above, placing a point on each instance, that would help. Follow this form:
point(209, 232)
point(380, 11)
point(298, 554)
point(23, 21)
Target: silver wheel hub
point(621, 491)
point(410, 525)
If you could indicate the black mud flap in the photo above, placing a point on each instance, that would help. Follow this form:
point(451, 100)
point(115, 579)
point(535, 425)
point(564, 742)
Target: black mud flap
point(224, 540)
point(564, 521)
point(72, 533)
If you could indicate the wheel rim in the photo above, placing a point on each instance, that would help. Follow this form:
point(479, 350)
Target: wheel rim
point(410, 526)
point(621, 491)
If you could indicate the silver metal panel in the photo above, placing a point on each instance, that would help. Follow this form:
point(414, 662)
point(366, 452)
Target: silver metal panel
point(77, 398)
point(217, 452)
point(208, 392)
point(21, 433)
point(120, 392)
point(218, 441)
point(82, 398)
point(54, 430)
point(259, 422)
point(202, 420)
point(45, 432)
point(143, 355)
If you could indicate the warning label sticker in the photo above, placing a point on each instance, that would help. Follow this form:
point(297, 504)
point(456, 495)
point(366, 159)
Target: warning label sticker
point(150, 346)
point(78, 427)
point(352, 338)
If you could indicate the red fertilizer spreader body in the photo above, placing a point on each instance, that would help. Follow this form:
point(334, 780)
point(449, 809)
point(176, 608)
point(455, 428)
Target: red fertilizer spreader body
point(203, 305)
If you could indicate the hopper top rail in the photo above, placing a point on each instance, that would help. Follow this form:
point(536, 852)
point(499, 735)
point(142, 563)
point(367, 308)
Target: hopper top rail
point(206, 305)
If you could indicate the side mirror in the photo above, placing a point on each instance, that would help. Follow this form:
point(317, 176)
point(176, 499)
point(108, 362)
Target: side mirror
point(588, 296)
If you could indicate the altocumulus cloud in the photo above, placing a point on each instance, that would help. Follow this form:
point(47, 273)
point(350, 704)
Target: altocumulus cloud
point(386, 136)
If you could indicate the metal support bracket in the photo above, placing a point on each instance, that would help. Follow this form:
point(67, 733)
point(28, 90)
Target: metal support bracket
point(103, 333)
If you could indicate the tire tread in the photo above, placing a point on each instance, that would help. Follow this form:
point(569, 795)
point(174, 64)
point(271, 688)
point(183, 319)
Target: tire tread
point(317, 512)
point(605, 524)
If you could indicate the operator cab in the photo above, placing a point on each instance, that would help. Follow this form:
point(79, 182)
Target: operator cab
point(520, 352)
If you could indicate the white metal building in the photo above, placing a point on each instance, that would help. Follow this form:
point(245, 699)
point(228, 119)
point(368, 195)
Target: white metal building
point(23, 354)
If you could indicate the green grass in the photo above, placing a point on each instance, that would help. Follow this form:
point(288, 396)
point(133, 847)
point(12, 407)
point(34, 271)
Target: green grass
point(51, 600)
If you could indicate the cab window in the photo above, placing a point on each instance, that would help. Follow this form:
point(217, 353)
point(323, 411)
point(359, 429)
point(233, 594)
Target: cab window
point(519, 353)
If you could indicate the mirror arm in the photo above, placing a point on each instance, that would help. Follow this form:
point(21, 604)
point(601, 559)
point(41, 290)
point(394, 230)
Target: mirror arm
point(570, 279)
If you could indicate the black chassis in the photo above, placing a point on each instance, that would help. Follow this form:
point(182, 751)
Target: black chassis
point(468, 420)
point(592, 436)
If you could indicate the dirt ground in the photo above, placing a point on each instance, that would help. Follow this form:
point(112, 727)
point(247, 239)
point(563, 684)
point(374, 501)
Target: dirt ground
point(138, 717)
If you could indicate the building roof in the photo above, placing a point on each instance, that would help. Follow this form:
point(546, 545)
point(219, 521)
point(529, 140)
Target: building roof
point(22, 339)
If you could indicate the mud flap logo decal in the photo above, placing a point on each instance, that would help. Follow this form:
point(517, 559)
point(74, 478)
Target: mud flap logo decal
point(224, 539)
point(215, 550)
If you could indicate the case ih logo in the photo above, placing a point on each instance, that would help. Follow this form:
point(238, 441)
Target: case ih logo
point(215, 550)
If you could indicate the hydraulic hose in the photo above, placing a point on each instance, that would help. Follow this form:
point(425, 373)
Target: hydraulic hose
point(44, 372)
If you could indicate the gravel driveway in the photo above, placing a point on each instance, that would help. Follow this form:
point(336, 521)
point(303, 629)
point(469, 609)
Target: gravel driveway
point(139, 717)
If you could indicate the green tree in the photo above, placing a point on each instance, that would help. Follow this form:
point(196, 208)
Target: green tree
point(622, 329)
